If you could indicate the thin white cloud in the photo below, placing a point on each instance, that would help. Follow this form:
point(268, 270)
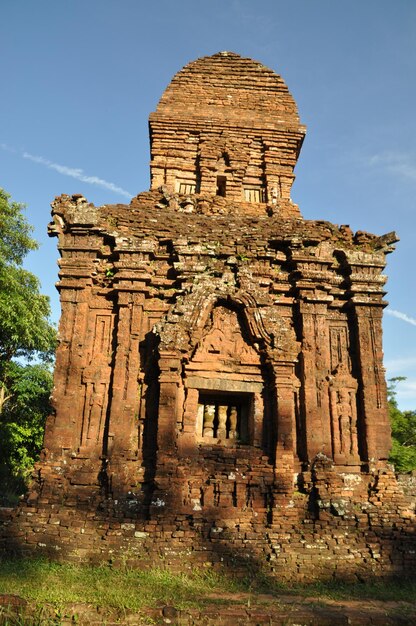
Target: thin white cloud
point(4, 146)
point(77, 173)
point(403, 165)
point(73, 172)
point(401, 316)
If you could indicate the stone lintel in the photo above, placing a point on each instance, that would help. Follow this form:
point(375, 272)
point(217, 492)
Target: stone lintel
point(222, 384)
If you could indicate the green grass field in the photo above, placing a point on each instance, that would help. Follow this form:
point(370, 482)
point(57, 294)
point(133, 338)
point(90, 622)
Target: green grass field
point(42, 582)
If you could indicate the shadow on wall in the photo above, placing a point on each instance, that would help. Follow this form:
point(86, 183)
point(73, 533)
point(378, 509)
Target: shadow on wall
point(302, 537)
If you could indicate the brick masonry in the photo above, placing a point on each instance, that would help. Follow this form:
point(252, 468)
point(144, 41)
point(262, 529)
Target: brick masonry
point(220, 396)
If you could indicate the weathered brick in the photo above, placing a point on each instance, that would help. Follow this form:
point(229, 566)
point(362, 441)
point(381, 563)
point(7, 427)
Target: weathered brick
point(219, 394)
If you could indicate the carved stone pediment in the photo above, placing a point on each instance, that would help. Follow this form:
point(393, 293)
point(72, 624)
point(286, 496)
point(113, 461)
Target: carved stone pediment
point(224, 341)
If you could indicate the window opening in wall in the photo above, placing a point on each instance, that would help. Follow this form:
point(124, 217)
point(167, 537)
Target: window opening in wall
point(221, 186)
point(225, 416)
point(254, 194)
point(225, 159)
point(187, 188)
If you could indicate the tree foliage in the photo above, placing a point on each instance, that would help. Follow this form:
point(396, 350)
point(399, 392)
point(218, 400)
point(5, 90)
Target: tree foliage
point(25, 329)
point(22, 421)
point(27, 343)
point(403, 425)
point(16, 240)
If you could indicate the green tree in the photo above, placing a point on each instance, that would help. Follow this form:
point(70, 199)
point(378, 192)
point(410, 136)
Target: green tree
point(22, 424)
point(27, 343)
point(403, 428)
point(25, 330)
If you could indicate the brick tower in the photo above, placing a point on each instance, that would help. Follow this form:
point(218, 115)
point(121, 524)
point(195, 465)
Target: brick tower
point(219, 375)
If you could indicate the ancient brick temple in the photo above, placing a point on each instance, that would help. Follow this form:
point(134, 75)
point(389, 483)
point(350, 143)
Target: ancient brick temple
point(219, 387)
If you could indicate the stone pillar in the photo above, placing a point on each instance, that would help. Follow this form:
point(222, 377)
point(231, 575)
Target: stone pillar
point(209, 416)
point(63, 431)
point(367, 290)
point(122, 433)
point(82, 375)
point(285, 383)
point(190, 429)
point(222, 422)
point(373, 390)
point(233, 422)
point(315, 367)
point(168, 494)
point(169, 411)
point(256, 420)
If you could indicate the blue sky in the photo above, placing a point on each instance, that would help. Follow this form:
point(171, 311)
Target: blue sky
point(80, 78)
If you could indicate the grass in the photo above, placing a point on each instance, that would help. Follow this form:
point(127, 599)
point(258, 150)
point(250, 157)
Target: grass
point(43, 582)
